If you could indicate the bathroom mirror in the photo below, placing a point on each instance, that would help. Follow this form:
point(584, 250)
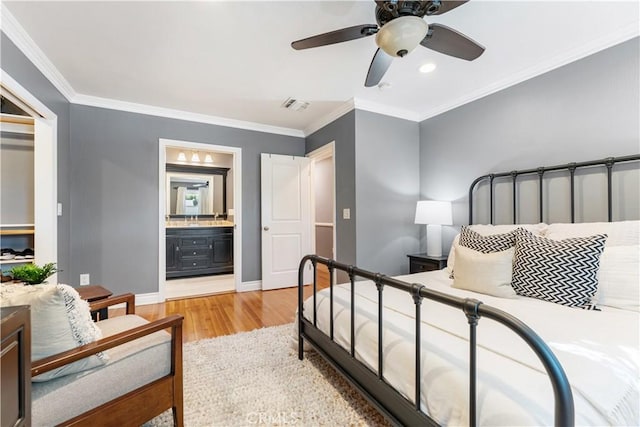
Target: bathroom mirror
point(195, 191)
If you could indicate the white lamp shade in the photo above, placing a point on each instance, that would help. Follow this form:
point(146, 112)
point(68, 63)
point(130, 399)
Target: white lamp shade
point(208, 158)
point(433, 212)
point(195, 157)
point(182, 157)
point(401, 35)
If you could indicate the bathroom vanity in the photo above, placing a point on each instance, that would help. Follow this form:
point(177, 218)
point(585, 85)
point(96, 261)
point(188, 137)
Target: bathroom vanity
point(199, 250)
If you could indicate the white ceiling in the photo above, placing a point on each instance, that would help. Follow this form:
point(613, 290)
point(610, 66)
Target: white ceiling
point(231, 61)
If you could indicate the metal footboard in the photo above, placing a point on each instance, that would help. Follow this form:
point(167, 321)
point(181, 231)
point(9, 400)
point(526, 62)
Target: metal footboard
point(373, 386)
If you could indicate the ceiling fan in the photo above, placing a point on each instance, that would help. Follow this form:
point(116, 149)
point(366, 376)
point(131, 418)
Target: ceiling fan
point(400, 29)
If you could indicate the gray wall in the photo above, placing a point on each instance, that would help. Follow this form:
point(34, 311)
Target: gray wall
point(377, 177)
point(387, 182)
point(343, 132)
point(585, 110)
point(24, 72)
point(114, 183)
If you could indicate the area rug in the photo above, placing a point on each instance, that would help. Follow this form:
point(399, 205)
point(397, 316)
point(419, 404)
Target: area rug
point(255, 378)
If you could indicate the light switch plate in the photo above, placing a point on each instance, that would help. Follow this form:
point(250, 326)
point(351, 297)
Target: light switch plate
point(346, 213)
point(84, 279)
point(59, 209)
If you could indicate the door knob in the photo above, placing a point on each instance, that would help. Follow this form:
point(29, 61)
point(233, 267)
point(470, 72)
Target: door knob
point(266, 228)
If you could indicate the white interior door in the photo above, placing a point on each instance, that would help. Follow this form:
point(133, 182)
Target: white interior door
point(286, 218)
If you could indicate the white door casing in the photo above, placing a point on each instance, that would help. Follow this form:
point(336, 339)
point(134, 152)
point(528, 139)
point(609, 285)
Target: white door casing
point(45, 170)
point(286, 219)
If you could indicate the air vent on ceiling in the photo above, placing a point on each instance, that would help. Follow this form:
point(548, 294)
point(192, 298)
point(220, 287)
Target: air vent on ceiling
point(295, 105)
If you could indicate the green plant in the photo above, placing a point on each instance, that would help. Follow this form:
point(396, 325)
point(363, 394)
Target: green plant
point(32, 274)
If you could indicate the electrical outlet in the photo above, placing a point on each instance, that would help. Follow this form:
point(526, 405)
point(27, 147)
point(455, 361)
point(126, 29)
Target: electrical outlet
point(346, 213)
point(84, 279)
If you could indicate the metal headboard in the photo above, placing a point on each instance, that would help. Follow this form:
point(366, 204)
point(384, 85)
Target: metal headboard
point(571, 167)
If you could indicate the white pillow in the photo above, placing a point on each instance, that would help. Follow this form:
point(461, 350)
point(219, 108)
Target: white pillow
point(489, 229)
point(484, 273)
point(60, 321)
point(620, 233)
point(619, 278)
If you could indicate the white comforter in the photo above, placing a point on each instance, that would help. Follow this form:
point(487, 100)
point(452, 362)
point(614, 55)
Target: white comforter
point(599, 351)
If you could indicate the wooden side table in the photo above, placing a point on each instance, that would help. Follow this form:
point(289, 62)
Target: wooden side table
point(423, 262)
point(92, 293)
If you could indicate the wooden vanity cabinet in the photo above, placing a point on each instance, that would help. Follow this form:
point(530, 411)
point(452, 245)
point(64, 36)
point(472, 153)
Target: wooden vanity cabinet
point(199, 251)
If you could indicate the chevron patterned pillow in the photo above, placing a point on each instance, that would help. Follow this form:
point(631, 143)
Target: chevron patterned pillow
point(487, 244)
point(559, 271)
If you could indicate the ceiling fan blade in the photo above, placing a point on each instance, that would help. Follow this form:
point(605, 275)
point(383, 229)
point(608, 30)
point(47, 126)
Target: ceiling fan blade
point(446, 6)
point(450, 42)
point(379, 66)
point(337, 36)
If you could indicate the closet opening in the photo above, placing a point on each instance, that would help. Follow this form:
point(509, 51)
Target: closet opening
point(28, 179)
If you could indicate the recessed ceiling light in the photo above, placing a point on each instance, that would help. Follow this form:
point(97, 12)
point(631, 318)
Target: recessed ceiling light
point(427, 68)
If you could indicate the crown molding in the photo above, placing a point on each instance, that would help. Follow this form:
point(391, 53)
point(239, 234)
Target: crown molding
point(131, 107)
point(330, 117)
point(19, 36)
point(623, 34)
point(387, 110)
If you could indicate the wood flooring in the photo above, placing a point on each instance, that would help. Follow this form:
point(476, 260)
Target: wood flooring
point(230, 313)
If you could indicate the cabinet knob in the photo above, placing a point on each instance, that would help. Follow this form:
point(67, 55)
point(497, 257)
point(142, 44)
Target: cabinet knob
point(266, 228)
point(194, 242)
point(194, 252)
point(194, 263)
point(177, 248)
point(210, 246)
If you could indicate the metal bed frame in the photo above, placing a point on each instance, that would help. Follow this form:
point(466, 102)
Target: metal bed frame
point(372, 385)
point(571, 167)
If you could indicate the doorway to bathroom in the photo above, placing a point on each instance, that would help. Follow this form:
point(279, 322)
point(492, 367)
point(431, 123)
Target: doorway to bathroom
point(199, 219)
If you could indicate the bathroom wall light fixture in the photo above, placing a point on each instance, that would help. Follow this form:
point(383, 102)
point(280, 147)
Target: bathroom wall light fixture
point(195, 158)
point(182, 157)
point(208, 158)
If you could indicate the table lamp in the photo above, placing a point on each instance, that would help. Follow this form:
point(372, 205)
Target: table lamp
point(434, 214)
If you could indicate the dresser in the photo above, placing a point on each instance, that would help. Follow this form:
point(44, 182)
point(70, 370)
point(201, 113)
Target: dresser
point(199, 251)
point(15, 366)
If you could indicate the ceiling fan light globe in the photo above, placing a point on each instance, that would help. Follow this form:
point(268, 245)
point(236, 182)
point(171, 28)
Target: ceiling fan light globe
point(401, 35)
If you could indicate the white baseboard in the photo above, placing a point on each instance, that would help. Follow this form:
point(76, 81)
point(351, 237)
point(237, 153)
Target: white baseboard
point(149, 298)
point(142, 299)
point(255, 285)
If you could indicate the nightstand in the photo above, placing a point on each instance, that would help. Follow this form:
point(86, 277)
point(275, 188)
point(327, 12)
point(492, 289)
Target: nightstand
point(423, 262)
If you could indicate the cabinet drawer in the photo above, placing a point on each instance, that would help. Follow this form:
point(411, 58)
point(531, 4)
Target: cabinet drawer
point(195, 263)
point(419, 267)
point(186, 242)
point(194, 252)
